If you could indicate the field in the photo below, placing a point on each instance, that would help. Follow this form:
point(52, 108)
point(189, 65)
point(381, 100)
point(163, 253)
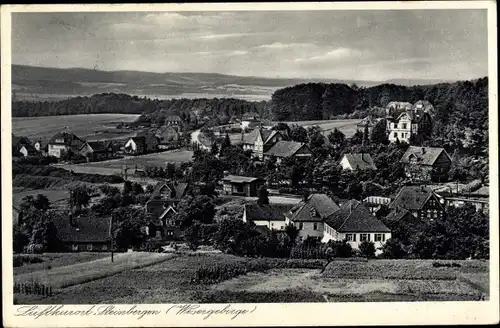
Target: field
point(114, 166)
point(170, 281)
point(55, 260)
point(89, 126)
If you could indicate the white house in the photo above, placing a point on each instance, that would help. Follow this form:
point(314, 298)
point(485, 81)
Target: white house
point(353, 162)
point(64, 142)
point(355, 223)
point(309, 215)
point(272, 215)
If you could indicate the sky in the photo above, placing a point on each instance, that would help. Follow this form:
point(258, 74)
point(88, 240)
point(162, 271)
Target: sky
point(359, 45)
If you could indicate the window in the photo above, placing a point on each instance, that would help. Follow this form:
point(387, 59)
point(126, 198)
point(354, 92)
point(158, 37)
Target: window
point(405, 126)
point(315, 226)
point(170, 233)
point(379, 237)
point(158, 234)
point(435, 214)
point(104, 247)
point(350, 237)
point(364, 237)
point(272, 224)
point(301, 225)
point(89, 247)
point(395, 134)
point(74, 247)
point(429, 214)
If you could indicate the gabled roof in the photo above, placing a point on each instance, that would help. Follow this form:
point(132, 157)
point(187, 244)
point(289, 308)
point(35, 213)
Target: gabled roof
point(412, 197)
point(240, 179)
point(168, 209)
point(139, 140)
point(178, 188)
point(69, 139)
point(285, 148)
point(320, 203)
point(98, 146)
point(266, 135)
point(85, 229)
point(271, 212)
point(362, 161)
point(423, 155)
point(397, 214)
point(353, 216)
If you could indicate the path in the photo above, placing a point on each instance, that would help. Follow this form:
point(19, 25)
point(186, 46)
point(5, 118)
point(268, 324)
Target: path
point(80, 273)
point(195, 139)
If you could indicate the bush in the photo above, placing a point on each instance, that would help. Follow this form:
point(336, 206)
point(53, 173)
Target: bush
point(367, 249)
point(21, 259)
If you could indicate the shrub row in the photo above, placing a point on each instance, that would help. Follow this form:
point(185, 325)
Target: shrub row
point(21, 259)
point(447, 265)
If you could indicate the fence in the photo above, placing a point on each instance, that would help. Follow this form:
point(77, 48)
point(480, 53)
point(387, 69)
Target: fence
point(33, 288)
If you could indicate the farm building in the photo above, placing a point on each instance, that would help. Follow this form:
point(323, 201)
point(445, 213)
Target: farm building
point(84, 233)
point(242, 186)
point(354, 223)
point(421, 163)
point(309, 215)
point(64, 142)
point(21, 146)
point(260, 140)
point(284, 149)
point(271, 216)
point(98, 150)
point(354, 162)
point(420, 201)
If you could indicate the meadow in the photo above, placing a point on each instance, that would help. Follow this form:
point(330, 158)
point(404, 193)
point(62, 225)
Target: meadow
point(86, 126)
point(220, 278)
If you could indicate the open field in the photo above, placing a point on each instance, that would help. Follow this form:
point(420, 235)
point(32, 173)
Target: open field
point(55, 196)
point(87, 126)
point(114, 166)
point(171, 282)
point(81, 272)
point(55, 260)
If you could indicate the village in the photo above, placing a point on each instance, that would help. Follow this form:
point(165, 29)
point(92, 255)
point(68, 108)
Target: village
point(270, 199)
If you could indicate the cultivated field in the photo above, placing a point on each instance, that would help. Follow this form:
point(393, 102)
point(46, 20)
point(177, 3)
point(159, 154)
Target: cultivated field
point(114, 166)
point(87, 126)
point(171, 281)
point(55, 260)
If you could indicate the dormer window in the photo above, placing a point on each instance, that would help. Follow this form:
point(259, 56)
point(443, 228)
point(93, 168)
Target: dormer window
point(312, 211)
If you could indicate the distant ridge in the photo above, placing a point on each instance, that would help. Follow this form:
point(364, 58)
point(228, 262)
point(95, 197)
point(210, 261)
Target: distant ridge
point(32, 82)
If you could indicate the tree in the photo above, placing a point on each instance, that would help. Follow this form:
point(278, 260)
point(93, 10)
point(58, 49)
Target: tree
point(193, 236)
point(214, 149)
point(393, 249)
point(19, 239)
point(195, 209)
point(367, 249)
point(79, 197)
point(341, 249)
point(379, 134)
point(226, 144)
point(366, 136)
point(128, 227)
point(292, 232)
point(263, 196)
point(357, 138)
point(298, 133)
point(337, 138)
point(127, 187)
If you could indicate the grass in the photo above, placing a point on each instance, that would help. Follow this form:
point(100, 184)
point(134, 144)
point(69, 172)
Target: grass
point(114, 166)
point(90, 126)
point(55, 260)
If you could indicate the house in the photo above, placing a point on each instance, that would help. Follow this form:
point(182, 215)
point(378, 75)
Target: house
point(394, 108)
point(355, 223)
point(421, 163)
point(84, 233)
point(165, 194)
point(260, 140)
point(168, 137)
point(284, 149)
point(64, 142)
point(98, 150)
point(354, 162)
point(420, 201)
point(249, 120)
point(242, 186)
point(271, 216)
point(165, 226)
point(21, 146)
point(173, 120)
point(142, 143)
point(424, 105)
point(410, 123)
point(309, 215)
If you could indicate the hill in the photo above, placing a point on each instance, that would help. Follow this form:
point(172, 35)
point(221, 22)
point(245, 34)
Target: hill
point(45, 83)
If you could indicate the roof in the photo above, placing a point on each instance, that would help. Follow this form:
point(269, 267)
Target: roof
point(412, 197)
point(397, 214)
point(424, 155)
point(240, 179)
point(173, 118)
point(69, 139)
point(285, 148)
point(274, 212)
point(399, 104)
point(139, 140)
point(353, 216)
point(322, 205)
point(85, 229)
point(178, 188)
point(415, 115)
point(99, 145)
point(361, 161)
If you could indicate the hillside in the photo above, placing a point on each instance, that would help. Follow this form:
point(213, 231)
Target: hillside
point(41, 83)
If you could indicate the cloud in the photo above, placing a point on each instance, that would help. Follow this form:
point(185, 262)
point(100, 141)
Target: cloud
point(332, 55)
point(279, 45)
